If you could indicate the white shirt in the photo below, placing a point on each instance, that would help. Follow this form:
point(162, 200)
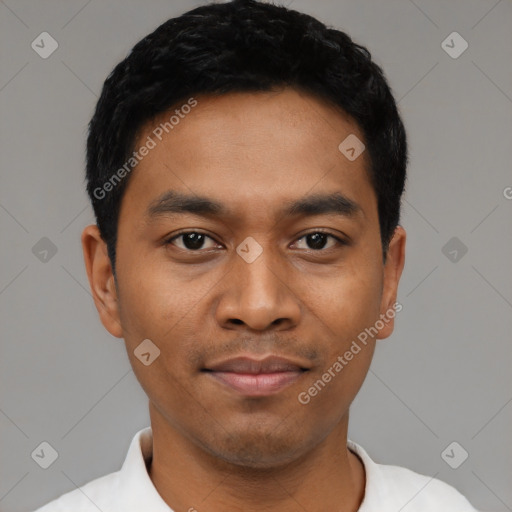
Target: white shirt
point(388, 488)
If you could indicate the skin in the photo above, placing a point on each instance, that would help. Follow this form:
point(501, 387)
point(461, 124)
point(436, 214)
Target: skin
point(215, 449)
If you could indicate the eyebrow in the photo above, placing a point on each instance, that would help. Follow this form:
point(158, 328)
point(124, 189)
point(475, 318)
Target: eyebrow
point(317, 204)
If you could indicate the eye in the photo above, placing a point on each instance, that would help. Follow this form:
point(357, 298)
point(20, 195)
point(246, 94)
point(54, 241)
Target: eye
point(191, 241)
point(195, 241)
point(317, 240)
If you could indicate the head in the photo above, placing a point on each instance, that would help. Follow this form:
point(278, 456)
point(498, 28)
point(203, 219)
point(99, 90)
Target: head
point(232, 220)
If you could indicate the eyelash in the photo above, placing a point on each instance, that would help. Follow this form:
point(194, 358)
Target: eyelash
point(340, 241)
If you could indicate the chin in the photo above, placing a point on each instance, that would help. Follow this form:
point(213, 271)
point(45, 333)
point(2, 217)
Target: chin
point(259, 449)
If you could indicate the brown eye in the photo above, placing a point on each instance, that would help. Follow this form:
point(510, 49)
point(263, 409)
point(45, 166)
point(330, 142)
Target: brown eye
point(191, 241)
point(318, 240)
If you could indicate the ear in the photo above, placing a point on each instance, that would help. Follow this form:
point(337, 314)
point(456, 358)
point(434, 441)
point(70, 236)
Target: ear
point(101, 279)
point(392, 271)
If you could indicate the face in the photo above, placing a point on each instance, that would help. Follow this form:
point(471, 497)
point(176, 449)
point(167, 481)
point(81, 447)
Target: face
point(246, 233)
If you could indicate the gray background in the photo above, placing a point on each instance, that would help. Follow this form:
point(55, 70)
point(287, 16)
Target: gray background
point(445, 373)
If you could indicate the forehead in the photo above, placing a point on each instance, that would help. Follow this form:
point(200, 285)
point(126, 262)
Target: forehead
point(250, 150)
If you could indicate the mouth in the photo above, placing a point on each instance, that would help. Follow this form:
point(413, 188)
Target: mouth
point(256, 377)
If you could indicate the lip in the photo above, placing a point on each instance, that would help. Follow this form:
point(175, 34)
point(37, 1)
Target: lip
point(257, 377)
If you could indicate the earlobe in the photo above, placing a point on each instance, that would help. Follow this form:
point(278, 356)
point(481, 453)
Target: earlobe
point(101, 279)
point(393, 268)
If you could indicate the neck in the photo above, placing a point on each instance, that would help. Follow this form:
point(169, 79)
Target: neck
point(188, 478)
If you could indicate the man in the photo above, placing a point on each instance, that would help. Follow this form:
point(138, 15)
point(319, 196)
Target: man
point(245, 164)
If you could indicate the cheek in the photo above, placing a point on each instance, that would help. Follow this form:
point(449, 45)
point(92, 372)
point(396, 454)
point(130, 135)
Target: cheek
point(159, 304)
point(153, 307)
point(329, 393)
point(348, 300)
point(347, 308)
point(152, 297)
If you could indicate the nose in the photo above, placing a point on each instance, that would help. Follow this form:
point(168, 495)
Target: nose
point(258, 296)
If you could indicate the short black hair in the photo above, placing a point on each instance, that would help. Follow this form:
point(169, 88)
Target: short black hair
point(242, 46)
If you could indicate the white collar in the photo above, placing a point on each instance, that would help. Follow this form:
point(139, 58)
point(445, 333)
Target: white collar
point(139, 493)
point(388, 488)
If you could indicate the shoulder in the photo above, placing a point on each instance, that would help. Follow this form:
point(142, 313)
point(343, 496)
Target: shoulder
point(127, 489)
point(423, 493)
point(399, 487)
point(88, 498)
